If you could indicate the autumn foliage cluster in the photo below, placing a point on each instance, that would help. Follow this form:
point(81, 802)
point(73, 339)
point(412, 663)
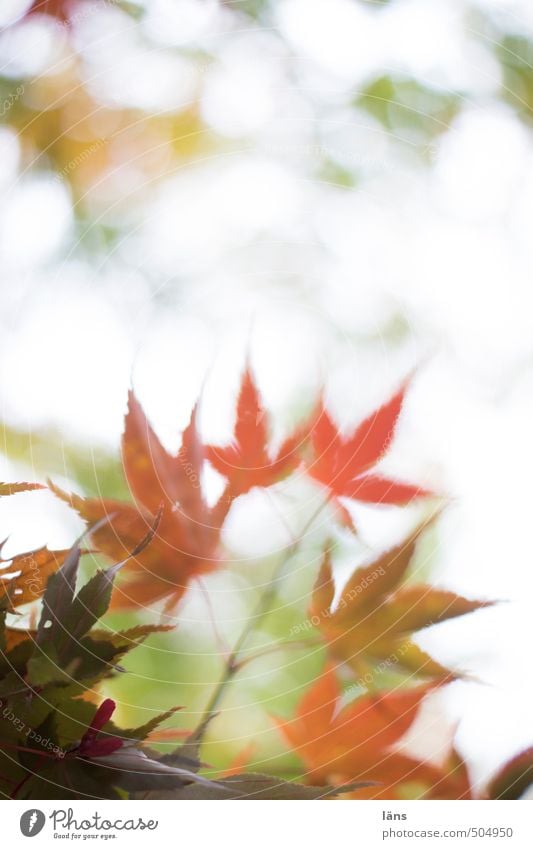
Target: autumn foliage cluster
point(57, 734)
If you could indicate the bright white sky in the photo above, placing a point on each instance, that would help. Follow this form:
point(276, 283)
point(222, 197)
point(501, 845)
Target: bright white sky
point(248, 246)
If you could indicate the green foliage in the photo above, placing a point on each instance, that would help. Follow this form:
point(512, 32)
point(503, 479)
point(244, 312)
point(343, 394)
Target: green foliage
point(53, 741)
point(403, 104)
point(516, 56)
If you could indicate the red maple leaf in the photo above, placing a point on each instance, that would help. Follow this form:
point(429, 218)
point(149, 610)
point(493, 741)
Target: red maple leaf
point(92, 745)
point(59, 9)
point(188, 534)
point(247, 462)
point(343, 464)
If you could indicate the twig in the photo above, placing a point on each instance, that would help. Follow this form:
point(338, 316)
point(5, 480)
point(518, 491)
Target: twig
point(221, 643)
point(288, 644)
point(233, 663)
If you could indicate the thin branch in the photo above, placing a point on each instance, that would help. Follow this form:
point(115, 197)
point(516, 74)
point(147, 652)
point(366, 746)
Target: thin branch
point(288, 644)
point(262, 609)
point(221, 643)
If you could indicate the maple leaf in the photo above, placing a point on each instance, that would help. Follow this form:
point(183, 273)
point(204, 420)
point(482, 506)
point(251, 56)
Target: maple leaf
point(357, 742)
point(514, 778)
point(14, 636)
point(60, 9)
point(188, 535)
point(92, 744)
point(24, 576)
point(234, 783)
point(13, 488)
point(240, 761)
point(376, 615)
point(138, 770)
point(251, 787)
point(75, 750)
point(247, 462)
point(343, 464)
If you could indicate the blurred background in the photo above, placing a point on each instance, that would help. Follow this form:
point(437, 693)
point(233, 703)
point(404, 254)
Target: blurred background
point(344, 191)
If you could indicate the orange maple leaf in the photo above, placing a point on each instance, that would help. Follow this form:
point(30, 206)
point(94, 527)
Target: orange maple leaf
point(376, 614)
point(357, 743)
point(59, 9)
point(13, 488)
point(23, 577)
point(186, 543)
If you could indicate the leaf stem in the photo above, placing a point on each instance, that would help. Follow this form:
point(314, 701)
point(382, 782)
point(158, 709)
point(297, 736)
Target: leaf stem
point(288, 644)
point(27, 749)
point(233, 662)
point(29, 774)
